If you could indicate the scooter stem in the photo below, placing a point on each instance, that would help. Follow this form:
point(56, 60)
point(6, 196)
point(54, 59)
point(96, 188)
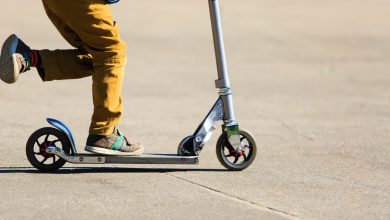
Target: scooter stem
point(222, 83)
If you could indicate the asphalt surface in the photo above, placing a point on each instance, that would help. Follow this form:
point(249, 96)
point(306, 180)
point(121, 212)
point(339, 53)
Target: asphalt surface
point(311, 82)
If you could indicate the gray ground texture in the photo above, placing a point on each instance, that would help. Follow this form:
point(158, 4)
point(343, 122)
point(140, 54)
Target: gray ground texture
point(311, 82)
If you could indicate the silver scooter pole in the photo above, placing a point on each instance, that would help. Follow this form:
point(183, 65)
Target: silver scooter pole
point(223, 108)
point(223, 83)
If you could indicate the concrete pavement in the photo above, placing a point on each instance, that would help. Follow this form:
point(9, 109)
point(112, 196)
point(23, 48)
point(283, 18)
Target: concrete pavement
point(311, 83)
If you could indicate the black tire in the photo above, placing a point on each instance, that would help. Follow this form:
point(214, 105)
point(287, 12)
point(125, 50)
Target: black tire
point(38, 140)
point(223, 145)
point(186, 147)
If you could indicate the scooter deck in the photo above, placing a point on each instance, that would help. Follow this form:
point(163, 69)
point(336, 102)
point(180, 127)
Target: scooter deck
point(141, 159)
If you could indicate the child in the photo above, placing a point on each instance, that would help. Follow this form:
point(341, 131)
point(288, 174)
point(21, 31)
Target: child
point(88, 26)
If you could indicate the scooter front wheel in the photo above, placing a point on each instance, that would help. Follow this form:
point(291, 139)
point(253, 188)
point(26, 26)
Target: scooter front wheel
point(236, 159)
point(37, 144)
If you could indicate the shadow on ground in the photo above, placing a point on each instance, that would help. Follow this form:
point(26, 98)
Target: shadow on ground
point(75, 170)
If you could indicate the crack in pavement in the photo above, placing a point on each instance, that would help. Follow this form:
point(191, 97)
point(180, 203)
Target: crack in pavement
point(239, 199)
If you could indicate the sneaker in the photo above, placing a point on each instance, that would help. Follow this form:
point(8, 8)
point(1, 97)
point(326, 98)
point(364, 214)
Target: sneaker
point(114, 144)
point(14, 59)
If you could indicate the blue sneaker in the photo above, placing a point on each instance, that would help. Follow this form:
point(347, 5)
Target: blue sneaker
point(14, 59)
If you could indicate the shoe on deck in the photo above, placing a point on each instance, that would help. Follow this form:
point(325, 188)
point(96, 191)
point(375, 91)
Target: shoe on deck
point(114, 144)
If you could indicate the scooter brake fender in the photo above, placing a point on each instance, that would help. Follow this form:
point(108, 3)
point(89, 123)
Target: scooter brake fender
point(65, 129)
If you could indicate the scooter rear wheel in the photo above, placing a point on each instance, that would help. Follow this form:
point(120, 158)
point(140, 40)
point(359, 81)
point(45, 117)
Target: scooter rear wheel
point(36, 149)
point(230, 157)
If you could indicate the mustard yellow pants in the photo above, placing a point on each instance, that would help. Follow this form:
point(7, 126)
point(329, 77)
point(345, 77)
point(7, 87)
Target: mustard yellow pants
point(99, 52)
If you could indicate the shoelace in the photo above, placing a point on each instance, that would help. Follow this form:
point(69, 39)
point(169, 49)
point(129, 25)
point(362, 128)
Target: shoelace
point(23, 63)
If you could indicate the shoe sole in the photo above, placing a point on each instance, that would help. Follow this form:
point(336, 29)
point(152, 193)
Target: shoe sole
point(9, 70)
point(102, 151)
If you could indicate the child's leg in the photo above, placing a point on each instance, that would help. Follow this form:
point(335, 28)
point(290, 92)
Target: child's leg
point(64, 64)
point(92, 23)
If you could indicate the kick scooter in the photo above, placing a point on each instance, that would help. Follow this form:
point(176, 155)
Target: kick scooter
point(49, 148)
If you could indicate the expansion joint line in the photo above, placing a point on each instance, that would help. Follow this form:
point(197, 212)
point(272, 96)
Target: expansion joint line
point(239, 199)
